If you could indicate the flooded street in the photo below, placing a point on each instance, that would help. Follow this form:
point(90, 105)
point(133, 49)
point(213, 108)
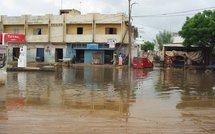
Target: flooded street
point(108, 100)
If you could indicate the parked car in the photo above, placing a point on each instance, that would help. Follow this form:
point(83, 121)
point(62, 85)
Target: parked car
point(141, 62)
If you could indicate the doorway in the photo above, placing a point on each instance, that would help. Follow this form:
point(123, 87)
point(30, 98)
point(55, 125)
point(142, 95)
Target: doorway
point(58, 54)
point(108, 57)
point(80, 56)
point(16, 52)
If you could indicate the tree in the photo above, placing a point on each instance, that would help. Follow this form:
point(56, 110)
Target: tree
point(164, 37)
point(147, 46)
point(199, 30)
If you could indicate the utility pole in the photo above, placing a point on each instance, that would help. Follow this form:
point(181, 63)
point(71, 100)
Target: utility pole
point(61, 6)
point(129, 31)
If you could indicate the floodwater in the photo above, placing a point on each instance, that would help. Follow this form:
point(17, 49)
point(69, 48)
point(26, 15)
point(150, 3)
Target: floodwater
point(98, 100)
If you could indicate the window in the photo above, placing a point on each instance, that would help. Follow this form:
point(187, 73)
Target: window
point(80, 30)
point(37, 31)
point(16, 30)
point(110, 31)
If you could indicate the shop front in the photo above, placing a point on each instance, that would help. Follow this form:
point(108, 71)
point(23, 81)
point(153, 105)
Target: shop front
point(13, 42)
point(91, 53)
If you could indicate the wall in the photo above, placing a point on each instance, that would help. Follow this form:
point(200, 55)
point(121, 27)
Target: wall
point(10, 29)
point(57, 28)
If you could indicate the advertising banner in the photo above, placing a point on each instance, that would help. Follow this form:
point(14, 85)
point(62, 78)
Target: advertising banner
point(18, 38)
point(92, 46)
point(111, 42)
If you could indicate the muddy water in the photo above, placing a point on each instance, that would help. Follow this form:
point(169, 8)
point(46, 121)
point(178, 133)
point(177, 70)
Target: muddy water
point(106, 100)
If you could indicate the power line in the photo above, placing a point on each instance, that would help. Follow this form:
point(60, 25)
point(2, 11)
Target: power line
point(178, 15)
point(173, 14)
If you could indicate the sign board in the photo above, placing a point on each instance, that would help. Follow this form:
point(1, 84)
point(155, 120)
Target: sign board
point(111, 43)
point(92, 46)
point(18, 38)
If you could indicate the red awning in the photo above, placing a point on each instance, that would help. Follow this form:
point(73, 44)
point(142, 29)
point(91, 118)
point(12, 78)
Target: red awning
point(17, 38)
point(0, 38)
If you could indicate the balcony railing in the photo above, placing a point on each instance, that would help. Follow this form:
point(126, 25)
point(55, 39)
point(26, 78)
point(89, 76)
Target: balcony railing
point(78, 38)
point(37, 38)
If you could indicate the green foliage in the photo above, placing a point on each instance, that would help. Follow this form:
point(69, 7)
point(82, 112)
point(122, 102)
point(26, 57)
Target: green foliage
point(148, 46)
point(199, 30)
point(164, 37)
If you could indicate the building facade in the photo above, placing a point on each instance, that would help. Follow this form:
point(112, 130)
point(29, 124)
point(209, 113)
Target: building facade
point(88, 38)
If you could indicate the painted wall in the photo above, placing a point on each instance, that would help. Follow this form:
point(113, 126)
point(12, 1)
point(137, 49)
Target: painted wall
point(69, 51)
point(56, 33)
point(13, 28)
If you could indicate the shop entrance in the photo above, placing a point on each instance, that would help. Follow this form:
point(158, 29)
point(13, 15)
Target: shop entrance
point(16, 54)
point(80, 56)
point(108, 57)
point(97, 57)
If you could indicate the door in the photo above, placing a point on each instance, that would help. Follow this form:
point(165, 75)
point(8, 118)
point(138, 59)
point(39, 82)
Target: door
point(40, 54)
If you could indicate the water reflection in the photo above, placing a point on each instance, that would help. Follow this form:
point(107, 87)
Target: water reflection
point(90, 88)
point(196, 96)
point(3, 114)
point(104, 86)
point(138, 96)
point(196, 88)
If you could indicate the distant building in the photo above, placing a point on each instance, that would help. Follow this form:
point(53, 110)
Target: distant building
point(91, 38)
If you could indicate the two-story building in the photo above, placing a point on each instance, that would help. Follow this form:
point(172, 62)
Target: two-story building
point(90, 38)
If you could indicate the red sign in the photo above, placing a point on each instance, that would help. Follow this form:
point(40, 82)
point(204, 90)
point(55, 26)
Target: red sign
point(13, 38)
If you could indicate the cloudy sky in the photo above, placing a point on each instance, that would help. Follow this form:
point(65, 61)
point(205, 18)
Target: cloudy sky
point(150, 16)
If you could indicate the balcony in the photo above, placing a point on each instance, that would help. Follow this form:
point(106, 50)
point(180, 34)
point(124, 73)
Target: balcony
point(108, 18)
point(56, 19)
point(38, 20)
point(37, 38)
point(79, 19)
point(79, 38)
point(16, 20)
point(104, 38)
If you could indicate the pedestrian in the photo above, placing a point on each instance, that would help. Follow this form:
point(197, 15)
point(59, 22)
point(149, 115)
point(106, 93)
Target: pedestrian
point(120, 60)
point(114, 59)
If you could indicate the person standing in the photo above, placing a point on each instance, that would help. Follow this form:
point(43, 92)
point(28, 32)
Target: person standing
point(114, 59)
point(120, 60)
